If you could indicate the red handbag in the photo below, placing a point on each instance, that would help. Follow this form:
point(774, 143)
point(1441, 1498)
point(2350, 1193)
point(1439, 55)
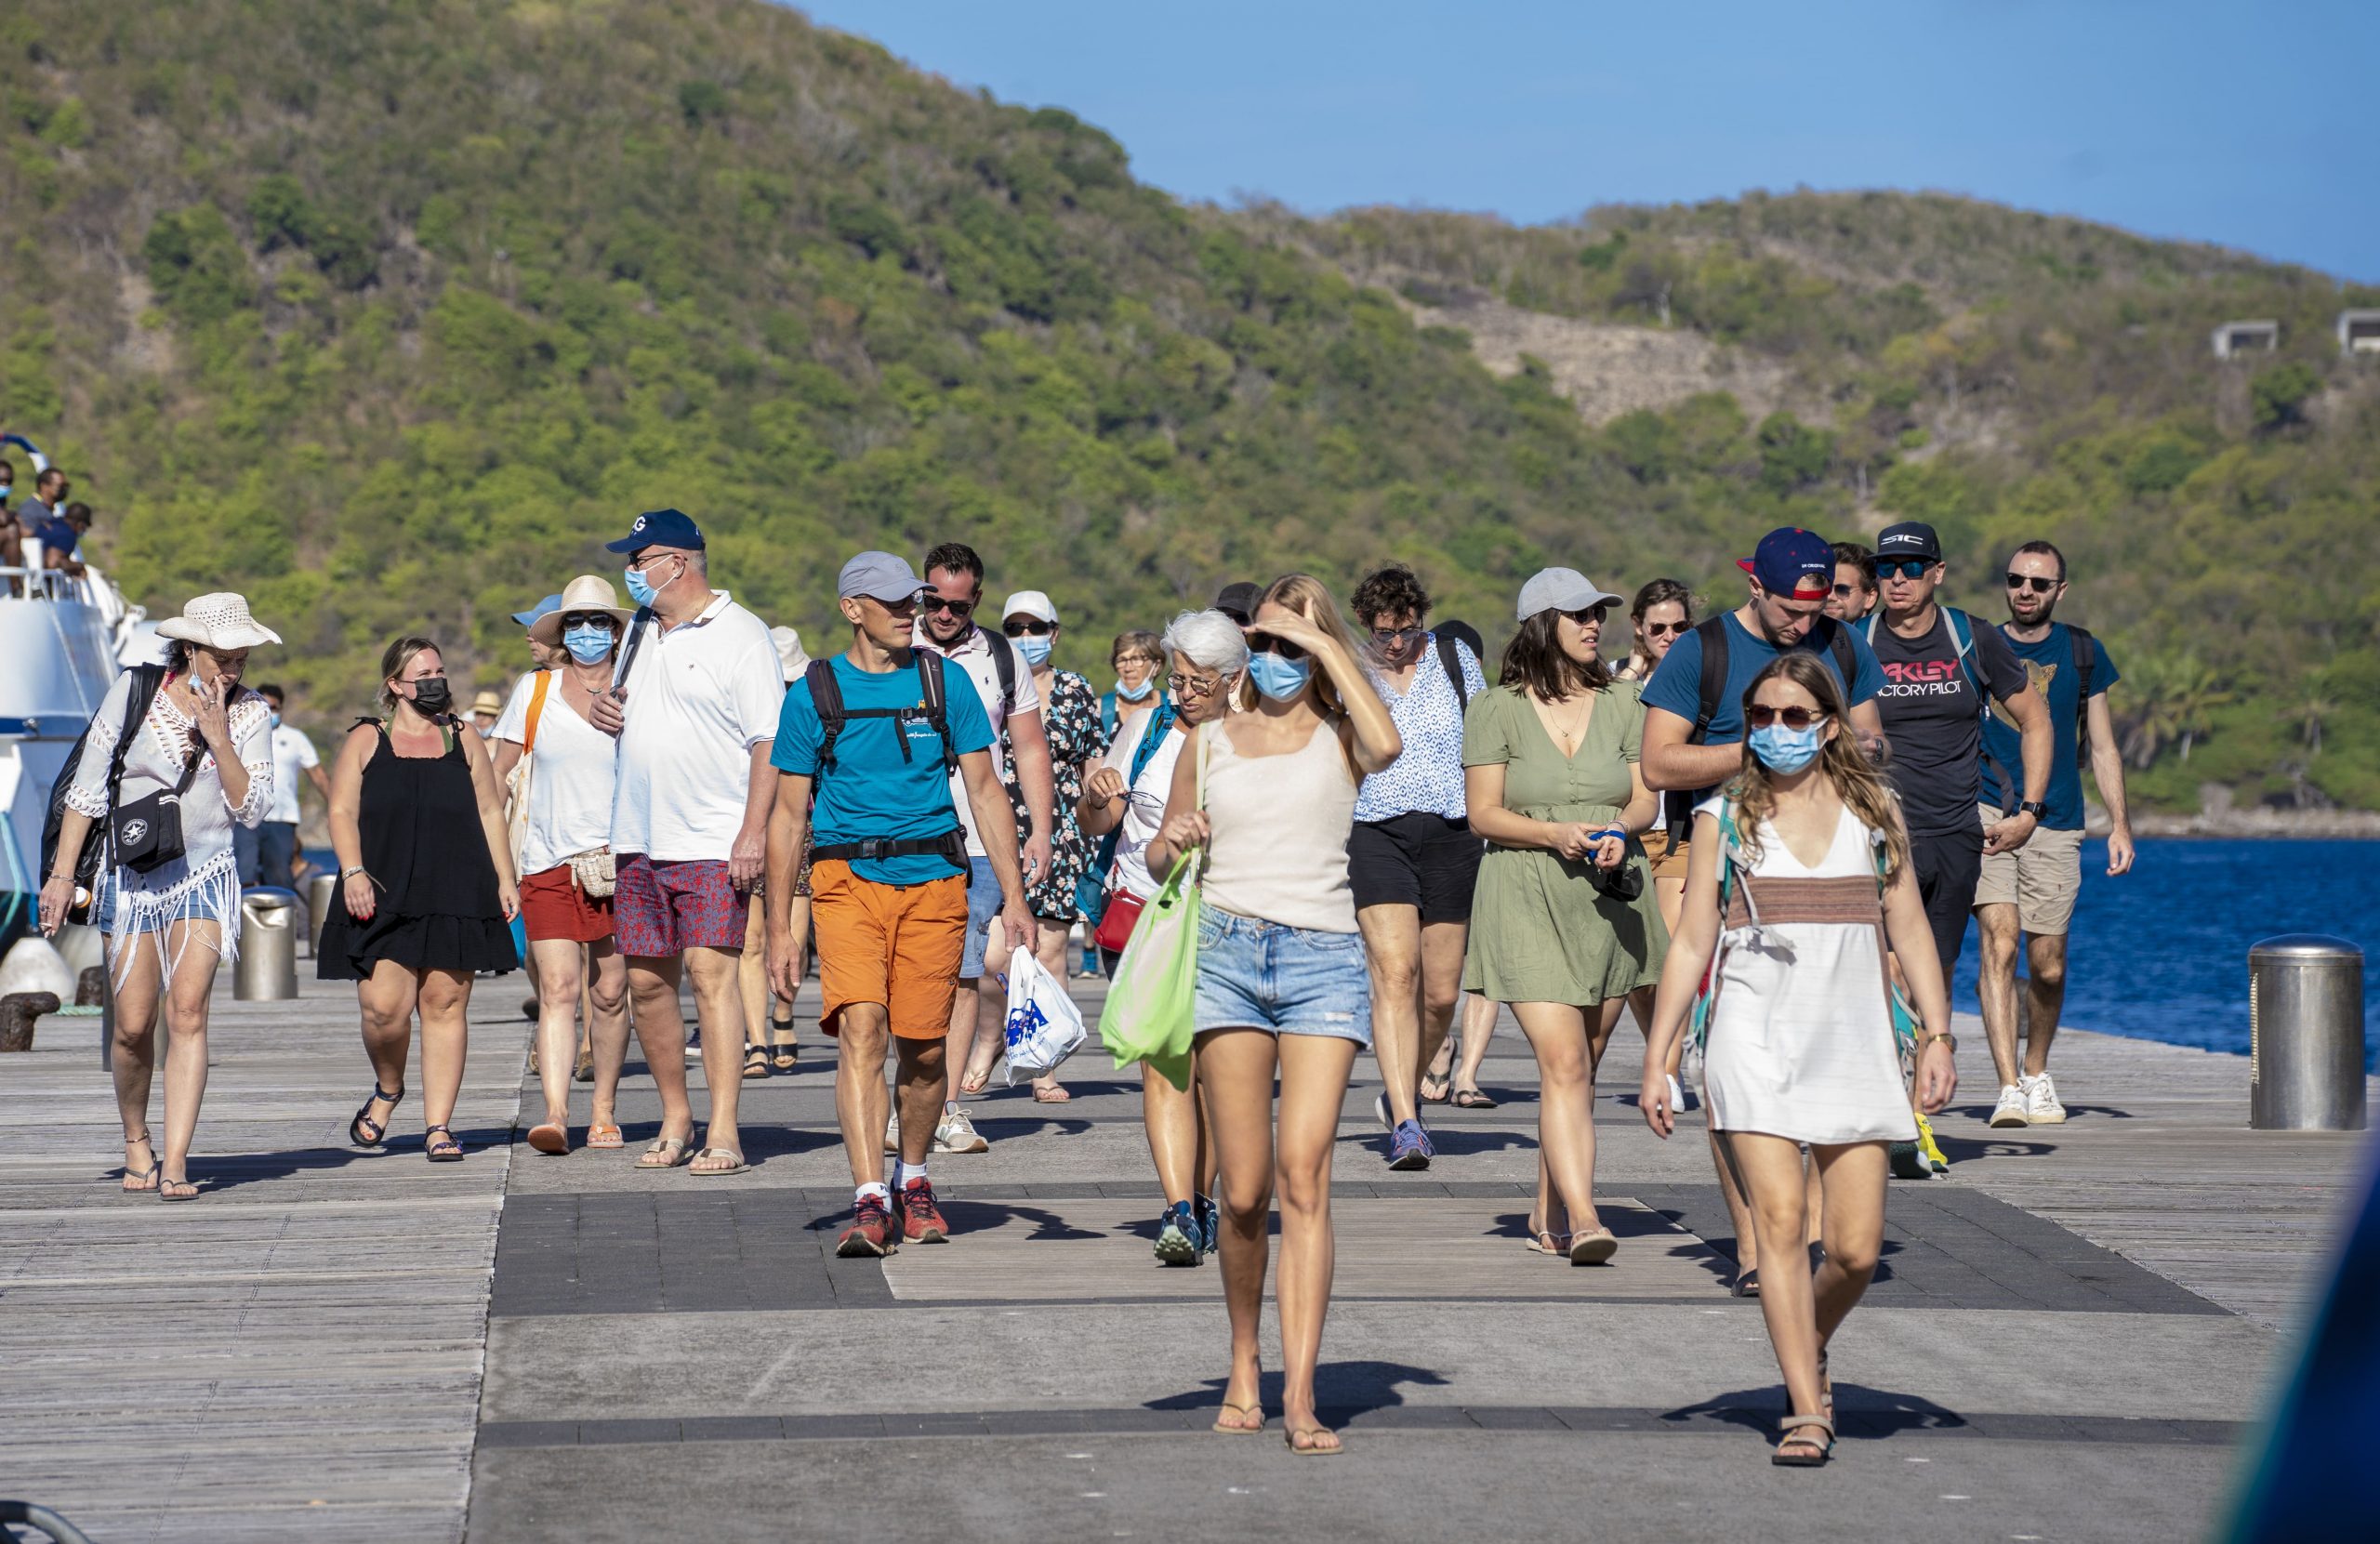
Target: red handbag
point(1114, 928)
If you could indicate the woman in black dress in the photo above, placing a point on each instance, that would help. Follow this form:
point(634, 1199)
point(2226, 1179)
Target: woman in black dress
point(427, 892)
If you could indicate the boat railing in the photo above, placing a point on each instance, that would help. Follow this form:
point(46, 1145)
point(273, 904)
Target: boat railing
point(44, 584)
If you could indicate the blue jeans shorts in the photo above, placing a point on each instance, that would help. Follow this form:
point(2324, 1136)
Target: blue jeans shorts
point(983, 904)
point(1255, 974)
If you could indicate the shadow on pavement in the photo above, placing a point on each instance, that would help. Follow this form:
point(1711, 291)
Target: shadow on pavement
point(1342, 1390)
point(1861, 1412)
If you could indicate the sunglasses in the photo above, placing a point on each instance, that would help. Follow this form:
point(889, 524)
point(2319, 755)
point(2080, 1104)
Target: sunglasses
point(1906, 568)
point(1280, 648)
point(1585, 614)
point(1761, 715)
point(588, 619)
point(929, 601)
point(1661, 629)
point(1389, 638)
point(1026, 630)
point(2033, 582)
point(1191, 686)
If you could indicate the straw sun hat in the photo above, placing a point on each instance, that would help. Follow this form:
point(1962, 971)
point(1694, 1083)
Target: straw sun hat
point(586, 593)
point(217, 621)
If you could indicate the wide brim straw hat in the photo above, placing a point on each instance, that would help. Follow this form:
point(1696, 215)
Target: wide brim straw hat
point(487, 701)
point(586, 593)
point(217, 621)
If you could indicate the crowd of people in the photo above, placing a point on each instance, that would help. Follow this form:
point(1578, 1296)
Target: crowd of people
point(1764, 829)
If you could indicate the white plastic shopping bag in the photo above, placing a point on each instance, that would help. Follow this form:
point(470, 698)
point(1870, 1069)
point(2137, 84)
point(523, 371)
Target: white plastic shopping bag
point(1044, 1026)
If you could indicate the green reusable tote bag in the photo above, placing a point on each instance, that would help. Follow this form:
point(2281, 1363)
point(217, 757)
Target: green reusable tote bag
point(1152, 1002)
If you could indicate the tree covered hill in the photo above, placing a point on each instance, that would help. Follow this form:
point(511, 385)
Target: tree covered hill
point(390, 312)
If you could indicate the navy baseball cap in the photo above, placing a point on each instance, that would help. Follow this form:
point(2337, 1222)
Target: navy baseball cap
point(1911, 538)
point(550, 603)
point(660, 528)
point(1793, 563)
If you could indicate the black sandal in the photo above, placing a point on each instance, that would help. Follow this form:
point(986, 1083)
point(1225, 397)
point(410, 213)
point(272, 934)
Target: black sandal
point(364, 1121)
point(784, 1053)
point(447, 1152)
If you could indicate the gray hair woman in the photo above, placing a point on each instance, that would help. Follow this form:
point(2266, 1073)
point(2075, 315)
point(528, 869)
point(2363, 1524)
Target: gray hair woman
point(169, 923)
point(1126, 793)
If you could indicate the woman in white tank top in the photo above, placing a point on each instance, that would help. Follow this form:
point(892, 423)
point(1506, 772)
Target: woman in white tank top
point(1800, 1030)
point(1282, 985)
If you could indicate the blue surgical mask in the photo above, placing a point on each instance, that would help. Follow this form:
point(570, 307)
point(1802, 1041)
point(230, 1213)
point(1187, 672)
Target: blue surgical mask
point(641, 588)
point(1034, 650)
point(588, 643)
point(272, 718)
point(1135, 693)
point(1280, 678)
point(1788, 751)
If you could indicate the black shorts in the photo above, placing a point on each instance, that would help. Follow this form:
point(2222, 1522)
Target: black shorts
point(1423, 861)
point(1949, 868)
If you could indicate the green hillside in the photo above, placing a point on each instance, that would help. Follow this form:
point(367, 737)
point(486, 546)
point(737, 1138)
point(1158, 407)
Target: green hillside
point(390, 312)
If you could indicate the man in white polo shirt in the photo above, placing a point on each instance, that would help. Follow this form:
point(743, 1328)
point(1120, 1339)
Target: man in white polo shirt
point(946, 626)
point(694, 704)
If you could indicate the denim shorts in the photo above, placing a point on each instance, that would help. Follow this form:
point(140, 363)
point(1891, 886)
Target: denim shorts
point(1255, 974)
point(983, 904)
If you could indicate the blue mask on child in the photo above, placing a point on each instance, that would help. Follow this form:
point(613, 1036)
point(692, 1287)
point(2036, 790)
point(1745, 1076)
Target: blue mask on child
point(1034, 650)
point(588, 643)
point(1786, 750)
point(1280, 678)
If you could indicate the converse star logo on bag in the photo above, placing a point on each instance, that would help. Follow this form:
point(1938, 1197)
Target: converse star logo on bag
point(135, 829)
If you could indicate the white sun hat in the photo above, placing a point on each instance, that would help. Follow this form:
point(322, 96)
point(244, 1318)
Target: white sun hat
point(792, 659)
point(217, 621)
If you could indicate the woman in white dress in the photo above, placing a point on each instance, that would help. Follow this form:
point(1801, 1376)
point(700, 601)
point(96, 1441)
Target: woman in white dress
point(1799, 1042)
point(169, 923)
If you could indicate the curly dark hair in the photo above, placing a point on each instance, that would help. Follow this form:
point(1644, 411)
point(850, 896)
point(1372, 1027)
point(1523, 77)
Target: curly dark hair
point(1534, 661)
point(1391, 591)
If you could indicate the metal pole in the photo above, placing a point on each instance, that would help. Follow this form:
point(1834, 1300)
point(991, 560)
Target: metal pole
point(2305, 1035)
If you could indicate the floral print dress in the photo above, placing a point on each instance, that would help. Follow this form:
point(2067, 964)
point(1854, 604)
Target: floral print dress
point(1070, 718)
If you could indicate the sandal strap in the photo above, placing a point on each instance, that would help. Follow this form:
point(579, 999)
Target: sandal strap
point(1792, 1422)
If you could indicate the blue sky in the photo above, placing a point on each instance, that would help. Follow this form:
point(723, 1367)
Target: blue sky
point(2244, 124)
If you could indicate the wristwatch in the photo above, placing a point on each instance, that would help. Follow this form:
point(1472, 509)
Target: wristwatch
point(2032, 807)
point(1946, 1038)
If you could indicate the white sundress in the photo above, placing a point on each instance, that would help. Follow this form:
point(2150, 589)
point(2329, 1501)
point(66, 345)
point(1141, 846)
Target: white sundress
point(1801, 1036)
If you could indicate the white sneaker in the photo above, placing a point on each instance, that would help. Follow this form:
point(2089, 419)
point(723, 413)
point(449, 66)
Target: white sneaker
point(893, 1134)
point(958, 1134)
point(2042, 1107)
point(2010, 1111)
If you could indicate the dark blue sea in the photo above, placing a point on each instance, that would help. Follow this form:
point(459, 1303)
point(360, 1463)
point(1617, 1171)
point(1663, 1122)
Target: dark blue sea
point(2162, 952)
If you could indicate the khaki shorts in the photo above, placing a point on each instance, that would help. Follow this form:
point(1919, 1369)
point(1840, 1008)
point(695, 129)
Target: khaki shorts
point(1669, 863)
point(2041, 879)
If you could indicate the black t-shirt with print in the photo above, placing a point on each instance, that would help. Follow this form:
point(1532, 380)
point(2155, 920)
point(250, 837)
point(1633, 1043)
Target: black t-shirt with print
point(1935, 722)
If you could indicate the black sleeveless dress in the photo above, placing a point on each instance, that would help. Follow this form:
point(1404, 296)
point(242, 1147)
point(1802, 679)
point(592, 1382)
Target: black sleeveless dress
point(426, 851)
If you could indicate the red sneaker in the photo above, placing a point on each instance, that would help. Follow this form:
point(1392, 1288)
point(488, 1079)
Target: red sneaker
point(920, 1218)
point(871, 1232)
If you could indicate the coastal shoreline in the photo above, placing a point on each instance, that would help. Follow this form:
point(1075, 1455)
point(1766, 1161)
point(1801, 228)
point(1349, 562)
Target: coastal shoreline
point(2254, 824)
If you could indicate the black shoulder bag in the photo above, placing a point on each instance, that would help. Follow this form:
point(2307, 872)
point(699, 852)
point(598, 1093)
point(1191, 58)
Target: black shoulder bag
point(146, 678)
point(147, 833)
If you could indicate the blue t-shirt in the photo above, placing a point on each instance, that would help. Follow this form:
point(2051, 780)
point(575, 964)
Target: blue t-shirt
point(870, 790)
point(56, 535)
point(1676, 686)
point(2049, 664)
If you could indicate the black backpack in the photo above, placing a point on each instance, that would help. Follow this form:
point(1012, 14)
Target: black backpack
point(1677, 804)
point(827, 693)
point(146, 680)
point(1447, 635)
point(2086, 663)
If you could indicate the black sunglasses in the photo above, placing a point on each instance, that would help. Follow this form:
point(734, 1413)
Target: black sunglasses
point(1906, 568)
point(588, 619)
point(2033, 582)
point(1280, 648)
point(1026, 630)
point(1761, 716)
point(1585, 614)
point(929, 601)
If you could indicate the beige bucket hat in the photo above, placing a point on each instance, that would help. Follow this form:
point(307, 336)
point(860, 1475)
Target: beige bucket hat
point(586, 593)
point(217, 621)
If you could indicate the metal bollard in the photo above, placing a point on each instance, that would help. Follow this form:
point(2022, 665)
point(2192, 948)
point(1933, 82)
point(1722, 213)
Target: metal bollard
point(267, 967)
point(2305, 1035)
point(318, 909)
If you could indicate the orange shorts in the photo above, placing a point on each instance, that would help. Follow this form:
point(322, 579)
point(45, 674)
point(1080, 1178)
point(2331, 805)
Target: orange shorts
point(898, 946)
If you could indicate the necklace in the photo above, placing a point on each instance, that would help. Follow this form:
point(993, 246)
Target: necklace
point(1568, 736)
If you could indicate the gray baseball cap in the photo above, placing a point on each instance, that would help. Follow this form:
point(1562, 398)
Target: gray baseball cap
point(1561, 589)
point(879, 576)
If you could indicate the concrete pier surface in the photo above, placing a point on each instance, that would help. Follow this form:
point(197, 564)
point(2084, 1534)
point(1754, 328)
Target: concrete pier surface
point(2069, 1338)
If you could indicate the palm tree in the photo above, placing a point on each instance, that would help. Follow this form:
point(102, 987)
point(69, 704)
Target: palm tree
point(2194, 696)
point(2308, 713)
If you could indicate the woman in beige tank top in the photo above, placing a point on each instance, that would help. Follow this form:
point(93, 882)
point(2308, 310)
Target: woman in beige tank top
point(1282, 987)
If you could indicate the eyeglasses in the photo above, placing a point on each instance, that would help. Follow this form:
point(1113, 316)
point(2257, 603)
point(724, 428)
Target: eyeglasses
point(1026, 630)
point(1761, 716)
point(929, 601)
point(1585, 614)
point(1191, 686)
point(1390, 638)
point(1662, 629)
point(2033, 582)
point(1906, 568)
point(1142, 660)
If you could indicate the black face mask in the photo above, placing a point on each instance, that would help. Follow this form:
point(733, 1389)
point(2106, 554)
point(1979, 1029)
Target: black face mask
point(431, 695)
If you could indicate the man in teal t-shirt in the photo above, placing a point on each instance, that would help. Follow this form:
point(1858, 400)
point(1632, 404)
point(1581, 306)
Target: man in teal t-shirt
point(888, 881)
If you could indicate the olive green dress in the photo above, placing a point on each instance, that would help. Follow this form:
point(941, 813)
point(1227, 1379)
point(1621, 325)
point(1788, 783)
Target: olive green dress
point(1540, 932)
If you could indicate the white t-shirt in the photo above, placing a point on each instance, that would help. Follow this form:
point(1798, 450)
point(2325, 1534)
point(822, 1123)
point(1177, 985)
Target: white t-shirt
point(700, 696)
point(571, 772)
point(292, 754)
point(974, 656)
point(1145, 811)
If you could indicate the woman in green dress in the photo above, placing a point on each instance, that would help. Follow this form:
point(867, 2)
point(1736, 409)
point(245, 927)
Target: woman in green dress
point(1564, 924)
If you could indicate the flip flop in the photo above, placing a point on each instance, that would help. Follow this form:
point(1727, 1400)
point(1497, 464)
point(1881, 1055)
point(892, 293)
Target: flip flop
point(1593, 1249)
point(604, 1135)
point(1446, 1086)
point(670, 1150)
point(1312, 1448)
point(975, 1082)
point(1472, 1099)
point(1257, 1410)
point(1052, 1096)
point(739, 1167)
point(1546, 1242)
point(144, 1180)
point(550, 1138)
point(165, 1188)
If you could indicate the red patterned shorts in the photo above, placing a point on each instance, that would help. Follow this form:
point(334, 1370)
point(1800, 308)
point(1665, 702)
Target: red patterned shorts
point(663, 909)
